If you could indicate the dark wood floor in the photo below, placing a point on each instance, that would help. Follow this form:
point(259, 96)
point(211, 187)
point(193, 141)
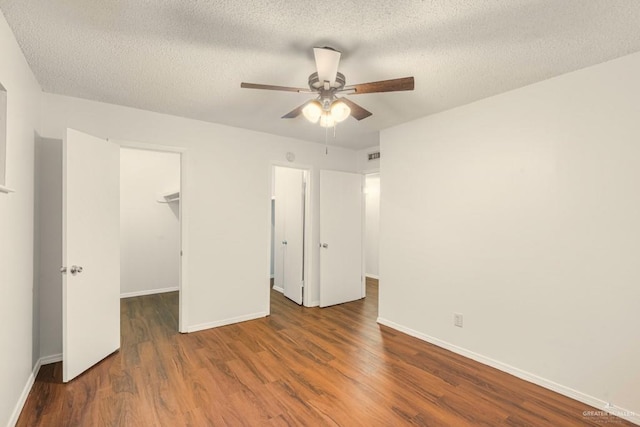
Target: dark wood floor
point(300, 366)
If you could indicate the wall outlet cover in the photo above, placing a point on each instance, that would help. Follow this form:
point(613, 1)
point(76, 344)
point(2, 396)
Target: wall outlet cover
point(457, 320)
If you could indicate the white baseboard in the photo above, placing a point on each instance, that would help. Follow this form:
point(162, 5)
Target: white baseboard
point(279, 289)
point(54, 358)
point(527, 376)
point(224, 322)
point(27, 387)
point(373, 276)
point(149, 292)
point(23, 396)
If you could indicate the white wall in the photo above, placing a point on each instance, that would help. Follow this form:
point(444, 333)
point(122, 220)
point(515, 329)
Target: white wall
point(228, 192)
point(372, 224)
point(522, 212)
point(149, 231)
point(48, 214)
point(364, 164)
point(17, 226)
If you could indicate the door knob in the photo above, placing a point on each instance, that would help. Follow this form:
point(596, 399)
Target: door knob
point(75, 269)
point(284, 242)
point(324, 245)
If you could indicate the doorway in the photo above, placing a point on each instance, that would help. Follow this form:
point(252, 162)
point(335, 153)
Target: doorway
point(150, 231)
point(372, 228)
point(90, 245)
point(372, 224)
point(289, 232)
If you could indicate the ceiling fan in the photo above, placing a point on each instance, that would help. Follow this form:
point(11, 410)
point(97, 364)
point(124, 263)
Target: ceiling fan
point(327, 108)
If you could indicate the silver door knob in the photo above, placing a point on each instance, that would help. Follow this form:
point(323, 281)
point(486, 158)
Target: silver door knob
point(75, 269)
point(284, 242)
point(324, 245)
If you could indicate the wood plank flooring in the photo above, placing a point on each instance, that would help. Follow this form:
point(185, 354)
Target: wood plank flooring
point(299, 366)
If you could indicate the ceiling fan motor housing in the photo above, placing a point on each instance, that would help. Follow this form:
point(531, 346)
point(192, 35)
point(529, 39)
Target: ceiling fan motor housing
point(326, 91)
point(316, 84)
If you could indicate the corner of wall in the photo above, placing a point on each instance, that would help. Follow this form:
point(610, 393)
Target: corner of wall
point(364, 164)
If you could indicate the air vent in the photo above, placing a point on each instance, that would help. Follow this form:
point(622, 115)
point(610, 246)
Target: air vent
point(373, 156)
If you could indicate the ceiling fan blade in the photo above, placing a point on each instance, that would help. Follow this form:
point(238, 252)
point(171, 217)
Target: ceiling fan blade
point(357, 112)
point(295, 112)
point(327, 60)
point(394, 85)
point(271, 87)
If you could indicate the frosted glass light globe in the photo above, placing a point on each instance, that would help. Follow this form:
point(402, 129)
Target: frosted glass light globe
point(312, 111)
point(340, 111)
point(327, 120)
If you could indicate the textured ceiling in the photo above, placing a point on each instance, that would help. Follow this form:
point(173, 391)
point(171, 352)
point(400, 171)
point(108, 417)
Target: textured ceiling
point(188, 57)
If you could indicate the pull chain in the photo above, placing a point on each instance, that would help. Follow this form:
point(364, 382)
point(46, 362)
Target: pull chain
point(326, 142)
point(326, 138)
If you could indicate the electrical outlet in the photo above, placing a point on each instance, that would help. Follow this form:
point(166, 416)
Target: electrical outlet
point(457, 320)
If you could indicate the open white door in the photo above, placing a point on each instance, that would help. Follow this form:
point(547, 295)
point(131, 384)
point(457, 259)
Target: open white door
point(294, 249)
point(90, 251)
point(289, 232)
point(341, 210)
point(278, 230)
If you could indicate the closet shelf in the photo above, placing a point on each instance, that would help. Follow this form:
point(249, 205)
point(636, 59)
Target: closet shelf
point(7, 190)
point(174, 196)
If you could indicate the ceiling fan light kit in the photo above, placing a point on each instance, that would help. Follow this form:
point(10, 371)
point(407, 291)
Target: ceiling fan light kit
point(312, 111)
point(328, 115)
point(327, 109)
point(340, 111)
point(327, 121)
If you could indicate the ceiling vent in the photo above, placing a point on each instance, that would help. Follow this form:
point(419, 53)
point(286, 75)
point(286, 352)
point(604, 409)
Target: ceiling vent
point(373, 156)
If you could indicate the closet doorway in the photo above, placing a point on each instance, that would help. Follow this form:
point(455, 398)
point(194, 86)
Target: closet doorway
point(289, 223)
point(150, 234)
point(372, 229)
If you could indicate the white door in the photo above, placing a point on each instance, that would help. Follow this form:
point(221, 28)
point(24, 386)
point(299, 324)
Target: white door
point(341, 210)
point(289, 232)
point(279, 193)
point(90, 251)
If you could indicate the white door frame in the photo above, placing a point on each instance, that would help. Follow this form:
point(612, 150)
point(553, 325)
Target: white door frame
point(308, 220)
point(183, 281)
